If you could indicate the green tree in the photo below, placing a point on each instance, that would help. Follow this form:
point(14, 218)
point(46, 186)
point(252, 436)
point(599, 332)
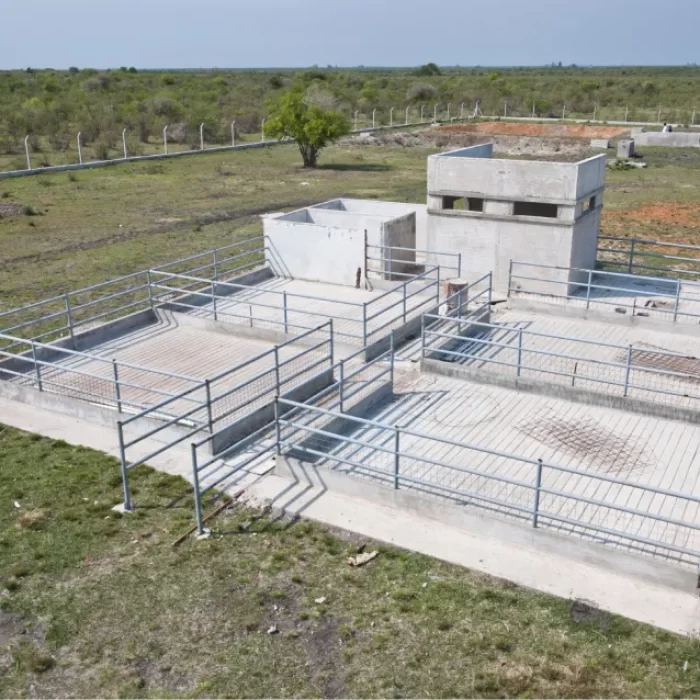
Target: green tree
point(428, 69)
point(310, 125)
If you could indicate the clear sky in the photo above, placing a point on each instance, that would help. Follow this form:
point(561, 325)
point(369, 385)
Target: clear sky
point(290, 33)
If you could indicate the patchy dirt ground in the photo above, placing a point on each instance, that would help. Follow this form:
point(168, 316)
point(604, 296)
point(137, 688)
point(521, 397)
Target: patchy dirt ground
point(525, 129)
point(554, 148)
point(680, 221)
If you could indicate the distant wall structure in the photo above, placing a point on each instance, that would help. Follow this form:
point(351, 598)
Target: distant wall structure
point(331, 241)
point(676, 139)
point(493, 211)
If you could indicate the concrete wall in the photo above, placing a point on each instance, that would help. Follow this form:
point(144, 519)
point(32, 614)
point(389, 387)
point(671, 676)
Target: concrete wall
point(676, 139)
point(398, 233)
point(314, 252)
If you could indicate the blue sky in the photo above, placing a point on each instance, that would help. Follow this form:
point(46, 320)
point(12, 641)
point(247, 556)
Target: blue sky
point(250, 33)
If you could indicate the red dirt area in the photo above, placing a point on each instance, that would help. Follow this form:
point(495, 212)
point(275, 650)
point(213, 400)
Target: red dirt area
point(677, 214)
point(525, 129)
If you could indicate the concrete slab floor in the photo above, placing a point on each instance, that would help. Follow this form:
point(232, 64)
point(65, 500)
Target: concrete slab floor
point(564, 576)
point(646, 384)
point(639, 449)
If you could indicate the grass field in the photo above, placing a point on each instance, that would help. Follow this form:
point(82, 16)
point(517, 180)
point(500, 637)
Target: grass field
point(93, 604)
point(97, 605)
point(95, 225)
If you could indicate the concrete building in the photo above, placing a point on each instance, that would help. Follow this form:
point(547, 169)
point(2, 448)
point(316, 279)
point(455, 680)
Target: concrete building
point(344, 241)
point(493, 211)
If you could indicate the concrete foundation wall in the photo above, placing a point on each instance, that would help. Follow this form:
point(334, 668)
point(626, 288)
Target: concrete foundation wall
point(676, 139)
point(398, 233)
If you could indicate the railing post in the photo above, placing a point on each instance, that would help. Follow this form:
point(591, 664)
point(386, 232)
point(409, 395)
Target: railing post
point(37, 367)
point(459, 265)
point(627, 369)
point(459, 303)
point(210, 415)
point(125, 471)
point(391, 265)
point(397, 455)
point(284, 299)
point(197, 492)
point(341, 382)
point(588, 289)
point(422, 337)
point(213, 300)
point(216, 265)
point(117, 391)
point(277, 370)
point(678, 301)
point(278, 430)
point(69, 319)
point(404, 302)
point(631, 262)
point(510, 278)
point(520, 351)
point(538, 486)
point(490, 289)
point(150, 288)
point(364, 323)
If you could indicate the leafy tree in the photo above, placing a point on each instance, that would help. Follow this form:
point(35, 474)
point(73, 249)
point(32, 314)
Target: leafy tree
point(73, 70)
point(310, 125)
point(429, 69)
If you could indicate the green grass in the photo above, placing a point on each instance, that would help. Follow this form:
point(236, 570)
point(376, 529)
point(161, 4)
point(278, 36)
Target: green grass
point(92, 226)
point(98, 605)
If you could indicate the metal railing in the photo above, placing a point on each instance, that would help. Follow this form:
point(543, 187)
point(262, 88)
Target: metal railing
point(396, 262)
point(291, 311)
point(647, 373)
point(215, 403)
point(630, 254)
point(546, 495)
point(671, 299)
point(354, 383)
point(114, 384)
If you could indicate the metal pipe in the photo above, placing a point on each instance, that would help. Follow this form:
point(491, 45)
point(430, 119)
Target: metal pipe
point(117, 392)
point(26, 151)
point(262, 130)
point(37, 367)
point(197, 492)
point(520, 351)
point(210, 416)
point(233, 132)
point(341, 382)
point(284, 305)
point(80, 150)
point(677, 301)
point(278, 431)
point(201, 136)
point(125, 471)
point(627, 370)
point(391, 117)
point(538, 486)
point(374, 118)
point(126, 155)
point(397, 456)
point(69, 319)
point(588, 289)
point(165, 140)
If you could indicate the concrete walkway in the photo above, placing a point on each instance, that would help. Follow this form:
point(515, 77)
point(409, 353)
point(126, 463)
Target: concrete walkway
point(567, 577)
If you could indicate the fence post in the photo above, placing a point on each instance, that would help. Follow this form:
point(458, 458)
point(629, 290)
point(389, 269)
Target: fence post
point(216, 265)
point(374, 120)
point(678, 300)
point(520, 351)
point(435, 113)
point(201, 136)
point(397, 433)
point(510, 278)
point(631, 263)
point(126, 155)
point(391, 263)
point(165, 140)
point(391, 117)
point(150, 288)
point(459, 265)
point(278, 430)
point(80, 150)
point(422, 107)
point(627, 370)
point(213, 300)
point(357, 111)
point(37, 367)
point(407, 116)
point(285, 311)
point(26, 150)
point(277, 370)
point(588, 289)
point(262, 130)
point(125, 471)
point(210, 416)
point(70, 319)
point(364, 323)
point(490, 290)
point(197, 492)
point(331, 340)
point(459, 303)
point(233, 132)
point(117, 391)
point(538, 486)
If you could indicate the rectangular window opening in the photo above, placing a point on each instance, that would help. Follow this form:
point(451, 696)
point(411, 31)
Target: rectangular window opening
point(475, 204)
point(541, 209)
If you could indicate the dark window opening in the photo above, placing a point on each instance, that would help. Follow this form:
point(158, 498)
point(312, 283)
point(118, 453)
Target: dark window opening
point(542, 209)
point(475, 204)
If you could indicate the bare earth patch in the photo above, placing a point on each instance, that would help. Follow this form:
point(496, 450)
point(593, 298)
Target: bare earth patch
point(524, 129)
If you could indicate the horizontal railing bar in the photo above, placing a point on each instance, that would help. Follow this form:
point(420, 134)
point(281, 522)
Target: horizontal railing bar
point(132, 290)
point(143, 460)
point(92, 319)
point(160, 405)
point(685, 246)
point(211, 252)
point(167, 424)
